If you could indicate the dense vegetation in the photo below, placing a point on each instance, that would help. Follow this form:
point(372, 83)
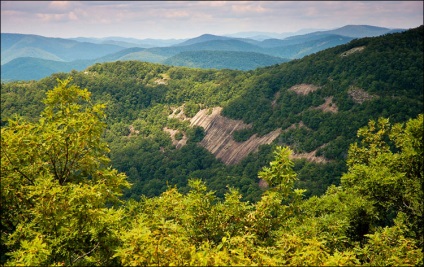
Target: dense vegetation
point(223, 60)
point(61, 202)
point(140, 96)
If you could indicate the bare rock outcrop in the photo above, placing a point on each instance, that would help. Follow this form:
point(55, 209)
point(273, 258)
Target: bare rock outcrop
point(163, 80)
point(177, 143)
point(303, 89)
point(353, 50)
point(359, 95)
point(178, 113)
point(218, 136)
point(310, 156)
point(133, 132)
point(329, 105)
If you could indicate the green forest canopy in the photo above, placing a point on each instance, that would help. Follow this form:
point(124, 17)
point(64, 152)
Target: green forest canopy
point(140, 96)
point(61, 202)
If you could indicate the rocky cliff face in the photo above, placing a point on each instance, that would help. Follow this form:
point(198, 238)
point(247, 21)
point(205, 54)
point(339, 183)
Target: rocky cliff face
point(218, 136)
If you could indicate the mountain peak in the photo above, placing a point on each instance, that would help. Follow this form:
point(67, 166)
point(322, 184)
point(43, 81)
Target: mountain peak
point(203, 38)
point(360, 31)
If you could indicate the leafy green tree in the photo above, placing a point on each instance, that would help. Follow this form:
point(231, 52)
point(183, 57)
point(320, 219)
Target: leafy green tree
point(190, 109)
point(57, 186)
point(280, 174)
point(390, 246)
point(373, 218)
point(387, 169)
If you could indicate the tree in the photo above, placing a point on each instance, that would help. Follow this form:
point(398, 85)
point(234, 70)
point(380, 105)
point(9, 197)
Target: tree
point(60, 196)
point(374, 217)
point(58, 189)
point(387, 169)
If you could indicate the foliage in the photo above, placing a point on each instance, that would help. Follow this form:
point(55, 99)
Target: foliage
point(57, 185)
point(223, 60)
point(341, 227)
point(61, 206)
point(140, 96)
point(391, 180)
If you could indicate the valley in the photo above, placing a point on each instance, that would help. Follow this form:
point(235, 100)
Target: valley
point(167, 124)
point(214, 151)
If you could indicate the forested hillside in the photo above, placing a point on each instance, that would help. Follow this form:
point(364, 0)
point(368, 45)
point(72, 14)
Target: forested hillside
point(317, 103)
point(223, 60)
point(61, 202)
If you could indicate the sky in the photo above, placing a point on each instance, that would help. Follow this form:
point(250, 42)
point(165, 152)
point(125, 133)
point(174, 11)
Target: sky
point(188, 19)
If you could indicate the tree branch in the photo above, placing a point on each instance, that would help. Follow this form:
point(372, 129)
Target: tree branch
point(86, 254)
point(66, 159)
point(17, 170)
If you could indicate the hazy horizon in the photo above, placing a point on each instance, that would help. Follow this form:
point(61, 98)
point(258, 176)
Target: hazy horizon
point(188, 19)
point(247, 33)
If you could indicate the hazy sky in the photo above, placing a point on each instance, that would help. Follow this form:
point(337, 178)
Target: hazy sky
point(186, 19)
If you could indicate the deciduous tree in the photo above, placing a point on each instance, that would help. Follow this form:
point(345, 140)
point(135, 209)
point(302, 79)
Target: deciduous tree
point(57, 186)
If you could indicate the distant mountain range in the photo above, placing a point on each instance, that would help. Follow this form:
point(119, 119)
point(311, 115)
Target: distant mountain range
point(360, 31)
point(27, 57)
point(58, 49)
point(130, 42)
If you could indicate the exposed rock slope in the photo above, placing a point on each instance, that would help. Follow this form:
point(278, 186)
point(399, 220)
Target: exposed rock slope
point(219, 131)
point(219, 135)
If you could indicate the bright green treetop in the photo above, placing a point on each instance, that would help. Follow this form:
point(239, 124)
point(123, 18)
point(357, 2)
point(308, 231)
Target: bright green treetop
point(57, 186)
point(58, 194)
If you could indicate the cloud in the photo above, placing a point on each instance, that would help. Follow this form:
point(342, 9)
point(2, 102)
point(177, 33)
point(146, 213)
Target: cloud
point(177, 14)
point(163, 19)
point(214, 3)
point(248, 8)
point(51, 17)
point(59, 5)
